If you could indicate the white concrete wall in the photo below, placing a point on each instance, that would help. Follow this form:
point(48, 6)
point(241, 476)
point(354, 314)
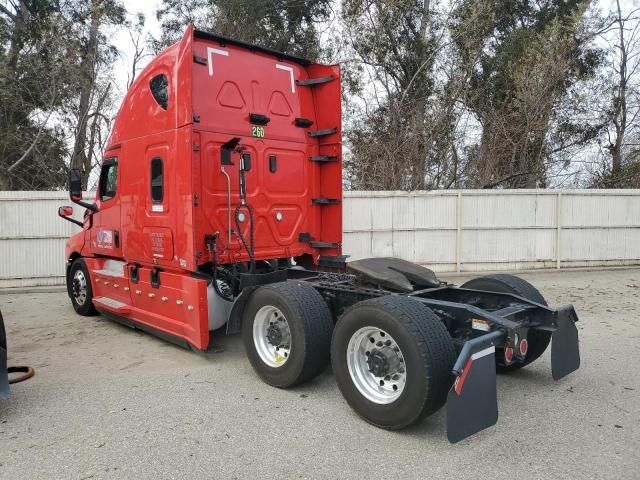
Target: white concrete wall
point(484, 230)
point(467, 230)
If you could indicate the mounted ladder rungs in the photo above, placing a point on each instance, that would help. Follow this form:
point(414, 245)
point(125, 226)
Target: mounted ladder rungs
point(323, 158)
point(322, 133)
point(324, 201)
point(314, 81)
point(323, 245)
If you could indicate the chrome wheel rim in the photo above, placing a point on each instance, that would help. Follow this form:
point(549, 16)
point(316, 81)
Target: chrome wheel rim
point(79, 287)
point(376, 365)
point(272, 336)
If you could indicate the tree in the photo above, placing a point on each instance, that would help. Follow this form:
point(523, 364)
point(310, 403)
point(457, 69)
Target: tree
point(34, 83)
point(95, 56)
point(531, 53)
point(285, 25)
point(55, 88)
point(621, 167)
point(393, 140)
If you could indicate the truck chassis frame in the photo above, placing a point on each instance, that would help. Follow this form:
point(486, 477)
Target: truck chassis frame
point(505, 319)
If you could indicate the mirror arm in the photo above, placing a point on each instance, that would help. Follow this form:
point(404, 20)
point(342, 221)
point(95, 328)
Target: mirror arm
point(90, 206)
point(72, 220)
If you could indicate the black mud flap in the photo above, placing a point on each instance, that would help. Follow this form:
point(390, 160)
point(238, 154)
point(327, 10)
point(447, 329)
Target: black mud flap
point(4, 373)
point(4, 376)
point(472, 403)
point(565, 351)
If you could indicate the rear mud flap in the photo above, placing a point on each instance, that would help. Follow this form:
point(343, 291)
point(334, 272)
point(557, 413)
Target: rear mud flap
point(4, 375)
point(565, 351)
point(472, 402)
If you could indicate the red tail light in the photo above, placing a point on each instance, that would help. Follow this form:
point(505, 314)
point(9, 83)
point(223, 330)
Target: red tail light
point(524, 346)
point(508, 355)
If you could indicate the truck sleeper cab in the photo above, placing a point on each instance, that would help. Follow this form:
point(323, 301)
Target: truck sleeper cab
point(219, 205)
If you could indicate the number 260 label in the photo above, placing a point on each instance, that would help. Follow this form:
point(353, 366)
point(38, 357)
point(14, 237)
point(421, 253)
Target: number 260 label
point(257, 132)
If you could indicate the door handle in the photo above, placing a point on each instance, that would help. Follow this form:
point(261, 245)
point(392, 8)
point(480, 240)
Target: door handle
point(116, 238)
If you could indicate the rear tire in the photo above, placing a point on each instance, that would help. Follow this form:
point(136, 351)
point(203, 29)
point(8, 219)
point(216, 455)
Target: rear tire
point(425, 355)
point(286, 329)
point(79, 288)
point(505, 283)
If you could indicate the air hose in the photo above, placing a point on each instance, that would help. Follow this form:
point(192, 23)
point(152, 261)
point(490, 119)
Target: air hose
point(247, 247)
point(245, 158)
point(212, 246)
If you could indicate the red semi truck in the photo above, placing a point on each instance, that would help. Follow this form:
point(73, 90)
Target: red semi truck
point(218, 210)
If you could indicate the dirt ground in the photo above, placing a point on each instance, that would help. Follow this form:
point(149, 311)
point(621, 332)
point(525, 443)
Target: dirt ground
point(110, 402)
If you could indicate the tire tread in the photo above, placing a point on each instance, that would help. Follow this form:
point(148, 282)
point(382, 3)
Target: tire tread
point(317, 322)
point(434, 344)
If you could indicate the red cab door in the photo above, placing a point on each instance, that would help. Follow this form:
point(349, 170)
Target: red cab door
point(106, 238)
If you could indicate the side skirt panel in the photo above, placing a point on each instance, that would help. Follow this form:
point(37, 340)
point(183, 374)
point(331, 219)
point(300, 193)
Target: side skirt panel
point(176, 340)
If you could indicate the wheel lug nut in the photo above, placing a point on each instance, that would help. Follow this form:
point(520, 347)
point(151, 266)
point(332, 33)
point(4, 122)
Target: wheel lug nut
point(379, 344)
point(395, 377)
point(371, 339)
point(381, 383)
point(388, 343)
point(387, 378)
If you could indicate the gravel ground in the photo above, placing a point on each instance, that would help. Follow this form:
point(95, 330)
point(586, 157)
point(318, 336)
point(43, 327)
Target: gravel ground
point(110, 402)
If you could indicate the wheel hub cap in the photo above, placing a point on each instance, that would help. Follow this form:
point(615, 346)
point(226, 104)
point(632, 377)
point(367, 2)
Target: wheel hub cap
point(376, 365)
point(278, 334)
point(79, 287)
point(272, 336)
point(383, 362)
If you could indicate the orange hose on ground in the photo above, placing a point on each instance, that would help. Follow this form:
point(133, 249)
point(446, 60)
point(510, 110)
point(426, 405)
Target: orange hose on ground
point(27, 373)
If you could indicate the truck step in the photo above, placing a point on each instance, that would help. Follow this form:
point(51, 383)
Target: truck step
point(309, 82)
point(324, 245)
point(325, 201)
point(305, 237)
point(333, 261)
point(323, 158)
point(322, 133)
point(111, 304)
point(303, 122)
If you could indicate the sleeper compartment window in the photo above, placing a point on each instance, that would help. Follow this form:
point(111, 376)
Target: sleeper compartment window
point(159, 86)
point(157, 181)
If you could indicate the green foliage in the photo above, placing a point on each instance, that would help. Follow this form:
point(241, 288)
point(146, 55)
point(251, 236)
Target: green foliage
point(523, 57)
point(46, 61)
point(286, 25)
point(33, 82)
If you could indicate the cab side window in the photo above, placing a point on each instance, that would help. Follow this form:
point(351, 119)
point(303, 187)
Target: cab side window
point(157, 180)
point(159, 86)
point(108, 179)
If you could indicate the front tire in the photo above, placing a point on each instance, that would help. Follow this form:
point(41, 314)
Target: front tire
point(286, 329)
point(505, 283)
point(392, 359)
point(79, 288)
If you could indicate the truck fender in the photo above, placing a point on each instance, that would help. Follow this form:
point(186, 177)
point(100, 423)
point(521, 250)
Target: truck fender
point(234, 325)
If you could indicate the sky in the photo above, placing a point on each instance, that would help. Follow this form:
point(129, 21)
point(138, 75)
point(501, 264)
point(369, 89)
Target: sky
point(123, 42)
